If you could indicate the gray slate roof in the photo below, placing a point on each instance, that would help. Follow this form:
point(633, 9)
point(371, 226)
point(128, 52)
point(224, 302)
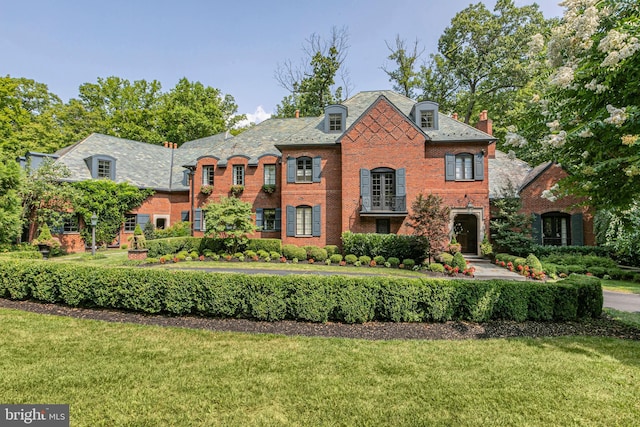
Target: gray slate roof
point(505, 172)
point(153, 166)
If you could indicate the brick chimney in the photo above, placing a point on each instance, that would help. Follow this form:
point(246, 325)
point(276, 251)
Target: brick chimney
point(455, 116)
point(175, 145)
point(486, 125)
point(297, 114)
point(166, 144)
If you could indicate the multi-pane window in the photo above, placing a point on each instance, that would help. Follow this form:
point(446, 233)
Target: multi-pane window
point(383, 190)
point(269, 220)
point(104, 169)
point(269, 174)
point(464, 166)
point(70, 225)
point(129, 223)
point(556, 229)
point(335, 122)
point(238, 175)
point(303, 221)
point(304, 170)
point(426, 119)
point(207, 175)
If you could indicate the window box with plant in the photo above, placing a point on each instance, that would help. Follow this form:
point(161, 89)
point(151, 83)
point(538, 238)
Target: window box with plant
point(269, 188)
point(236, 190)
point(206, 189)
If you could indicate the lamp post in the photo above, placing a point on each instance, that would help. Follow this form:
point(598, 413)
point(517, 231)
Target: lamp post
point(94, 222)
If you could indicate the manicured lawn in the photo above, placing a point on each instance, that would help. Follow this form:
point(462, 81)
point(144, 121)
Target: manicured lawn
point(121, 374)
point(621, 286)
point(632, 319)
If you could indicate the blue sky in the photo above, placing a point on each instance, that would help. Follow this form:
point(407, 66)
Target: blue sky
point(235, 46)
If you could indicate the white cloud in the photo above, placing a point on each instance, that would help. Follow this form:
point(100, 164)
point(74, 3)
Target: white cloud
point(259, 116)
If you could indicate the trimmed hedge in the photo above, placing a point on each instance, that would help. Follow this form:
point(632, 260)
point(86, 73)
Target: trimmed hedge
point(173, 245)
point(386, 245)
point(301, 297)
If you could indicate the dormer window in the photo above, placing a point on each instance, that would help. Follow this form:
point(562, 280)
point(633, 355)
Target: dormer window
point(335, 117)
point(426, 115)
point(426, 119)
point(335, 122)
point(102, 166)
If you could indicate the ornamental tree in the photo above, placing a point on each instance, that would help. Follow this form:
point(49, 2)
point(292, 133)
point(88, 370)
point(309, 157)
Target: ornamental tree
point(229, 219)
point(430, 220)
point(587, 117)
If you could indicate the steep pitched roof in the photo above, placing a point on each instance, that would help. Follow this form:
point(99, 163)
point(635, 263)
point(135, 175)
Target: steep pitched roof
point(506, 172)
point(138, 163)
point(533, 174)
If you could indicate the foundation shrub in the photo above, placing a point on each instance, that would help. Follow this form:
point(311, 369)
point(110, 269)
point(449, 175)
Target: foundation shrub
point(364, 260)
point(335, 258)
point(293, 251)
point(436, 267)
point(459, 261)
point(380, 260)
point(351, 259)
point(331, 250)
point(299, 297)
point(386, 245)
point(318, 254)
point(269, 245)
point(408, 263)
point(445, 258)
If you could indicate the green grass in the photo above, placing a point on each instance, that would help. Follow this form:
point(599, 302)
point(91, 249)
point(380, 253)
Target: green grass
point(119, 258)
point(631, 319)
point(621, 286)
point(122, 374)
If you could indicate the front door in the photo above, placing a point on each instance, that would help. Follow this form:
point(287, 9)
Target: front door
point(466, 231)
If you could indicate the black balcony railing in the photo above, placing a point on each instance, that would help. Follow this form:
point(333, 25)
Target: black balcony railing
point(389, 203)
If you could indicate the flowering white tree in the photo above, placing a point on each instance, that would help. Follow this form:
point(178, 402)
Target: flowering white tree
point(587, 116)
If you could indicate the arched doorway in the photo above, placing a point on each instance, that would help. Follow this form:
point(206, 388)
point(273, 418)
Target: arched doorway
point(465, 229)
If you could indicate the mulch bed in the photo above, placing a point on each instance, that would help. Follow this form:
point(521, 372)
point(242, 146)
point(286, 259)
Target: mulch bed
point(454, 330)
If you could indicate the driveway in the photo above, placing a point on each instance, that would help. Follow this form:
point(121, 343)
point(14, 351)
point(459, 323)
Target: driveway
point(622, 301)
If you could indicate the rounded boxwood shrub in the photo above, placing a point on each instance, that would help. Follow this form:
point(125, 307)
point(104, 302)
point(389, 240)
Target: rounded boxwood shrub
point(534, 263)
point(249, 253)
point(436, 267)
point(293, 251)
point(351, 259)
point(274, 255)
point(459, 261)
point(331, 250)
point(446, 258)
point(408, 263)
point(364, 260)
point(393, 261)
point(335, 258)
point(379, 260)
point(318, 254)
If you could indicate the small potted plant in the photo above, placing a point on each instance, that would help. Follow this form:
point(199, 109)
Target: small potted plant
point(454, 247)
point(138, 248)
point(206, 189)
point(45, 241)
point(236, 190)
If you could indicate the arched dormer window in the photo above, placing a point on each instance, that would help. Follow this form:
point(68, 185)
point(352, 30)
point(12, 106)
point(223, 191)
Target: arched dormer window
point(426, 115)
point(335, 117)
point(102, 166)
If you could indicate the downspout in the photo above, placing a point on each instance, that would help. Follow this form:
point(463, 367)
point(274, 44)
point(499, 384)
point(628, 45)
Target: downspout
point(192, 197)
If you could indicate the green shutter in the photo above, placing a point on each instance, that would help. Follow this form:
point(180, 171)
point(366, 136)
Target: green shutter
point(291, 221)
point(365, 189)
point(536, 229)
point(291, 169)
point(316, 168)
point(259, 218)
point(315, 221)
point(577, 235)
point(478, 168)
point(278, 219)
point(450, 167)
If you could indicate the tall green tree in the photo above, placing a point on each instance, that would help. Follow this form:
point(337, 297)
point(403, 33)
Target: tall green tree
point(405, 76)
point(483, 56)
point(10, 209)
point(588, 117)
point(27, 120)
point(510, 229)
point(45, 197)
point(229, 219)
point(191, 110)
point(312, 85)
